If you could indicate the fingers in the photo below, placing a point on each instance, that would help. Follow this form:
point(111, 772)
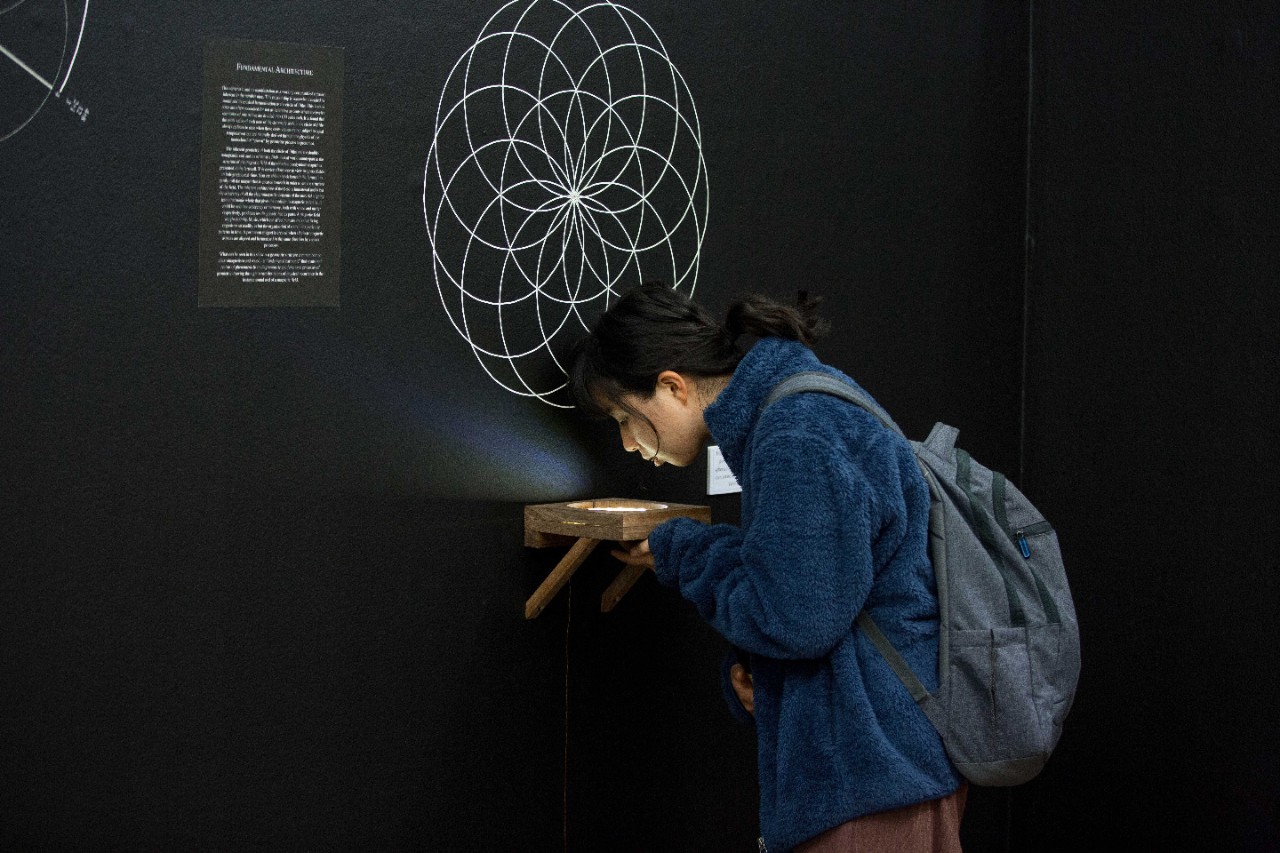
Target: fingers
point(743, 687)
point(634, 553)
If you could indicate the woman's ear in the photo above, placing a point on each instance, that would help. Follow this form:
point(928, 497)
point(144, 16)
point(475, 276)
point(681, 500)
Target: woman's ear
point(670, 382)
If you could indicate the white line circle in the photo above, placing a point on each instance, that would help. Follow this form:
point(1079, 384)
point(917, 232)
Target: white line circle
point(566, 166)
point(28, 84)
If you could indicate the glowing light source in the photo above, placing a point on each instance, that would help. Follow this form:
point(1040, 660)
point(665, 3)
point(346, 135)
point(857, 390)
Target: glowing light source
point(614, 505)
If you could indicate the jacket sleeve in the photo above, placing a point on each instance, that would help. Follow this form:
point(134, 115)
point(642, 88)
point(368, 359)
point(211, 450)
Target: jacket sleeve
point(790, 584)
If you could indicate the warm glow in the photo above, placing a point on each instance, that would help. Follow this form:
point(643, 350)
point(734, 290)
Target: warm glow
point(614, 505)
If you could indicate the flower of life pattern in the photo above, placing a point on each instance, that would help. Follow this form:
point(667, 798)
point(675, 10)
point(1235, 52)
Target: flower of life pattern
point(566, 168)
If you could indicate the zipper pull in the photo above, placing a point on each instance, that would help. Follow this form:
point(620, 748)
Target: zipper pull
point(1023, 546)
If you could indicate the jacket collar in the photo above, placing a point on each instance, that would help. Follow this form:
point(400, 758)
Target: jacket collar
point(731, 418)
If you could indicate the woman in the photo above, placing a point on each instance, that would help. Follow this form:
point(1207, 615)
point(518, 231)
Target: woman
point(834, 520)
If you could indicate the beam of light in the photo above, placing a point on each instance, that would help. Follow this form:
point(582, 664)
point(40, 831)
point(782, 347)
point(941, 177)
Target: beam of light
point(456, 448)
point(471, 454)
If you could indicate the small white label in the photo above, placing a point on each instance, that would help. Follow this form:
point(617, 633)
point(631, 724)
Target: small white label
point(720, 480)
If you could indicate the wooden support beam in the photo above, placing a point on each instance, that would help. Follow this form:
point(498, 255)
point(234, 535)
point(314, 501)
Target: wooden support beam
point(623, 582)
point(559, 576)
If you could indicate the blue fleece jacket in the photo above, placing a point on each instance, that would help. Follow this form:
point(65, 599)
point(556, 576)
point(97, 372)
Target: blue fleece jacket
point(834, 519)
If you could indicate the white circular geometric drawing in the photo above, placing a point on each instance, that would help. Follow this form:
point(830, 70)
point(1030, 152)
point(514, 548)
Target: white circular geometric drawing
point(38, 49)
point(566, 167)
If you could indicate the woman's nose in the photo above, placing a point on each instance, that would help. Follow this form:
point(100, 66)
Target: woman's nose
point(629, 442)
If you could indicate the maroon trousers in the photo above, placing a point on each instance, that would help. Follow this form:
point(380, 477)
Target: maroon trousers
point(928, 827)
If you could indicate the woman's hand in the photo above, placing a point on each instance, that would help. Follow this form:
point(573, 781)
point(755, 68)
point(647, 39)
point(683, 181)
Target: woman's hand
point(634, 553)
point(744, 687)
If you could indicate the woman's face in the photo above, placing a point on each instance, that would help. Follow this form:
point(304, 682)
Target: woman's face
point(674, 431)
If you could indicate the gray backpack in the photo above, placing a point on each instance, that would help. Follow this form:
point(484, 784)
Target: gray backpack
point(1009, 645)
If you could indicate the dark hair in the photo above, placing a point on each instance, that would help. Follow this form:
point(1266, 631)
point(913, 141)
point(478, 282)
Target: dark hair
point(654, 327)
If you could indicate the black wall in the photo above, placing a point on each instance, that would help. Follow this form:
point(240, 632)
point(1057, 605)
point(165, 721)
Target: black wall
point(1152, 395)
point(262, 572)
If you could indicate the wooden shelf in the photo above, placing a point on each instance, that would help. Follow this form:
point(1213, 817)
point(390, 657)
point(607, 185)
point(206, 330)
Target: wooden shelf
point(581, 526)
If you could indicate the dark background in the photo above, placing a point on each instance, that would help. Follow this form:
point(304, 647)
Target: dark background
point(262, 572)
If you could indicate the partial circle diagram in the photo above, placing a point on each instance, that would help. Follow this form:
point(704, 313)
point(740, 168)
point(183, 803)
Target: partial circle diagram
point(566, 167)
point(39, 41)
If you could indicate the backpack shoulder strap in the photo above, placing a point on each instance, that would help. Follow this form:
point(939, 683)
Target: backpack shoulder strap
point(926, 700)
point(813, 380)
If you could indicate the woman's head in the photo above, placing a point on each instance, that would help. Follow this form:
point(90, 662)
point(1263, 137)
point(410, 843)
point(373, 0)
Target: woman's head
point(656, 346)
point(651, 329)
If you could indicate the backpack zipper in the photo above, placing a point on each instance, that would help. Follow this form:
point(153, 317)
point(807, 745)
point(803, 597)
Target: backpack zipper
point(1020, 536)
